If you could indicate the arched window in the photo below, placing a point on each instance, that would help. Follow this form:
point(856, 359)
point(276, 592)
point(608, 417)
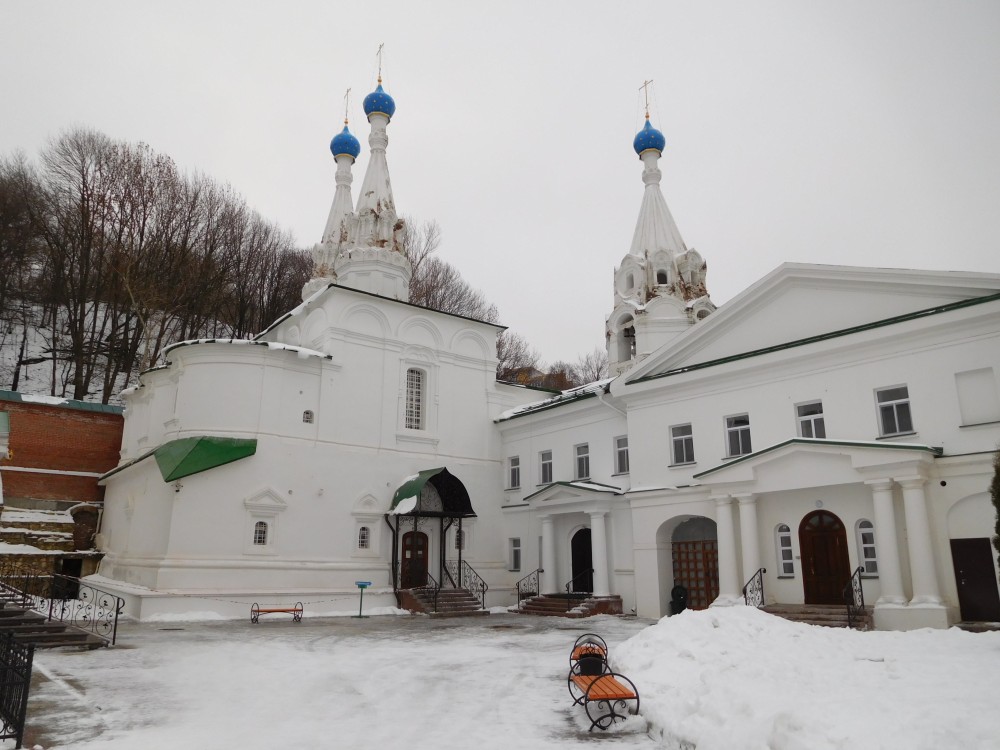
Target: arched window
point(783, 550)
point(868, 559)
point(661, 277)
point(629, 282)
point(364, 537)
point(307, 416)
point(260, 533)
point(414, 419)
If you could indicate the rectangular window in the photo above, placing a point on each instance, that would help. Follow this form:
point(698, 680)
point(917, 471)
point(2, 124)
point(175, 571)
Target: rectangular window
point(894, 411)
point(738, 435)
point(621, 455)
point(514, 472)
point(515, 554)
point(682, 444)
point(810, 418)
point(786, 565)
point(582, 461)
point(414, 399)
point(545, 464)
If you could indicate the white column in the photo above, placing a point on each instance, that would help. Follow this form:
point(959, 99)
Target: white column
point(599, 552)
point(918, 534)
point(749, 539)
point(548, 583)
point(886, 543)
point(729, 585)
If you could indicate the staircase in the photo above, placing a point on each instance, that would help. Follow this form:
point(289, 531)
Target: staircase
point(450, 602)
point(571, 605)
point(31, 627)
point(826, 615)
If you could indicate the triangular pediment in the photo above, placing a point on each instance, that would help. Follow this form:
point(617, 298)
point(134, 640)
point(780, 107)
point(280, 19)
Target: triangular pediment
point(806, 302)
point(808, 462)
point(265, 500)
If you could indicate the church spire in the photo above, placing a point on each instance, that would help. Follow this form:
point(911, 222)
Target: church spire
point(655, 229)
point(345, 149)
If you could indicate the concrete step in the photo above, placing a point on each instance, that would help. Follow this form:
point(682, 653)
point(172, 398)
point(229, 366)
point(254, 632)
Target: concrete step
point(831, 616)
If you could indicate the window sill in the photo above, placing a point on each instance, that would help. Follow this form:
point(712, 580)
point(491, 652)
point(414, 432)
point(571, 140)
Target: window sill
point(581, 479)
point(511, 489)
point(416, 436)
point(620, 474)
point(786, 578)
point(740, 455)
point(544, 484)
point(685, 463)
point(895, 435)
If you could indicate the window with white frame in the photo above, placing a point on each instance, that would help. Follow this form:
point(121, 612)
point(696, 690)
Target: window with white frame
point(582, 461)
point(682, 444)
point(513, 472)
point(260, 533)
point(810, 417)
point(783, 550)
point(515, 554)
point(364, 538)
point(865, 532)
point(545, 467)
point(621, 455)
point(894, 410)
point(738, 435)
point(414, 418)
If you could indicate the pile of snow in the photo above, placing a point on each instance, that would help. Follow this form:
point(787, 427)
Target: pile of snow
point(735, 677)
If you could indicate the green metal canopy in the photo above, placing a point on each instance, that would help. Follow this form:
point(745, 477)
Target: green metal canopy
point(193, 455)
point(432, 492)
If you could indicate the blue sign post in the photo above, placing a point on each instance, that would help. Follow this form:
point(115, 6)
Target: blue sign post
point(362, 585)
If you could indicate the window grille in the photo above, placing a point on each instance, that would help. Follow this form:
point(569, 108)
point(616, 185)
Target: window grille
point(414, 399)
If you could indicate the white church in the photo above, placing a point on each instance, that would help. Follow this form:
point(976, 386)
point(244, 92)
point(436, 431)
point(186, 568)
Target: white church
point(829, 423)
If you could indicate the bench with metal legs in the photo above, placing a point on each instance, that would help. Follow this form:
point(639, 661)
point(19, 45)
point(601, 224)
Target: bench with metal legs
point(256, 611)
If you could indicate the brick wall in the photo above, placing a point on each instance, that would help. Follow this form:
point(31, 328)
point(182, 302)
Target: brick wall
point(60, 437)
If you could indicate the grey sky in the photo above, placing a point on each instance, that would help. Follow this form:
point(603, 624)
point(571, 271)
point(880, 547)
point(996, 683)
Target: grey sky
point(840, 132)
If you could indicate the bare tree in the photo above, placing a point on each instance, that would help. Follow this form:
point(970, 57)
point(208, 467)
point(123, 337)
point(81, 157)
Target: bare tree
point(517, 361)
point(591, 367)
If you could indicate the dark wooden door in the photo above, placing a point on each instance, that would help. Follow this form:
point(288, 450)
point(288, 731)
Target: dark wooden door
point(696, 568)
point(583, 562)
point(976, 579)
point(414, 568)
point(826, 567)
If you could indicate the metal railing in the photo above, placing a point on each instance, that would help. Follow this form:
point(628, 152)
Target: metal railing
point(528, 586)
point(15, 681)
point(64, 599)
point(753, 590)
point(413, 576)
point(582, 575)
point(854, 597)
point(464, 576)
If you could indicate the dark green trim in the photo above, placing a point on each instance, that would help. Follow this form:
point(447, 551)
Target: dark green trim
point(331, 285)
point(576, 486)
point(413, 487)
point(529, 387)
point(186, 456)
point(822, 337)
point(819, 442)
point(15, 397)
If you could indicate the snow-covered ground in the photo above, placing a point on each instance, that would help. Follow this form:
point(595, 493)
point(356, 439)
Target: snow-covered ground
point(724, 679)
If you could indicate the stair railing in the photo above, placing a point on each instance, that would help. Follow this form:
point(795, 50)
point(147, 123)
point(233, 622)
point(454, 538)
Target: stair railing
point(854, 597)
point(464, 576)
point(753, 590)
point(75, 602)
point(528, 586)
point(430, 582)
point(569, 586)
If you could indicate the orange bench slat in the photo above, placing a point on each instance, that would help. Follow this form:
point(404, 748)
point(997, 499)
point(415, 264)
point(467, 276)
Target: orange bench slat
point(603, 688)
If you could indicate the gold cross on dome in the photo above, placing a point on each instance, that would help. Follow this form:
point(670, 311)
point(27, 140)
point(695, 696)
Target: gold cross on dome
point(379, 54)
point(347, 103)
point(645, 91)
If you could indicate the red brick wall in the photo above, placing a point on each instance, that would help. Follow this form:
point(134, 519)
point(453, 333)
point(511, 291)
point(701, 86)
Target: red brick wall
point(58, 437)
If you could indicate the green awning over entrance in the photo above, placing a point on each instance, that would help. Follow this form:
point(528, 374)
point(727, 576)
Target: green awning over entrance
point(432, 492)
point(193, 455)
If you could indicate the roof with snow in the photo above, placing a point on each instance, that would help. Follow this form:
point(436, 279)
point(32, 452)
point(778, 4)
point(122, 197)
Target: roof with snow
point(561, 399)
point(66, 403)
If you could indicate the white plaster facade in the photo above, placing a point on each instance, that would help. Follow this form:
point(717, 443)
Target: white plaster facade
point(746, 473)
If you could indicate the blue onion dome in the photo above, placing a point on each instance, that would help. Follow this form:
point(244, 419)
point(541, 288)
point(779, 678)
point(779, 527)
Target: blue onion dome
point(379, 101)
point(648, 138)
point(345, 143)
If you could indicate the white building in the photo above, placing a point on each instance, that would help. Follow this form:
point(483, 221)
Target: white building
point(826, 419)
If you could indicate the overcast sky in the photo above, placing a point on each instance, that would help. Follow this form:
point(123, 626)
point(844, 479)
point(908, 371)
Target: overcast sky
point(864, 133)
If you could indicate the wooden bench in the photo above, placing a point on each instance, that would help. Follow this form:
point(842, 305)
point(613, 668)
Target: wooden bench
point(605, 695)
point(256, 611)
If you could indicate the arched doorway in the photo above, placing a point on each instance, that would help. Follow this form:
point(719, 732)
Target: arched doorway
point(414, 567)
point(695, 558)
point(582, 562)
point(826, 567)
